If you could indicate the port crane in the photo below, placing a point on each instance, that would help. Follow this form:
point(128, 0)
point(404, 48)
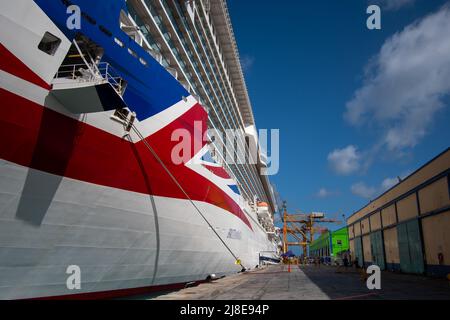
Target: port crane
point(302, 228)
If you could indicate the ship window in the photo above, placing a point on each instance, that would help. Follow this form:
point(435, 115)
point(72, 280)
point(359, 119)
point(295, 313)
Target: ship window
point(105, 31)
point(143, 61)
point(49, 44)
point(88, 18)
point(120, 43)
point(132, 53)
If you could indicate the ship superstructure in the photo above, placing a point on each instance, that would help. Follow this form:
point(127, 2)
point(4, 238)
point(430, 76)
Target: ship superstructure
point(194, 40)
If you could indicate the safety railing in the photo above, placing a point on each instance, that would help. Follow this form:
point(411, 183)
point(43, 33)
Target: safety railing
point(101, 73)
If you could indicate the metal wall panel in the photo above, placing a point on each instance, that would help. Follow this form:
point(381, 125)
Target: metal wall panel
point(359, 251)
point(357, 229)
point(403, 248)
point(436, 238)
point(391, 247)
point(377, 247)
point(410, 247)
point(365, 227)
point(407, 208)
point(351, 233)
point(388, 216)
point(435, 196)
point(375, 221)
point(367, 250)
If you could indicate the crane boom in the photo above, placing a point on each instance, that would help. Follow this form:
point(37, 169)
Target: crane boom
point(302, 227)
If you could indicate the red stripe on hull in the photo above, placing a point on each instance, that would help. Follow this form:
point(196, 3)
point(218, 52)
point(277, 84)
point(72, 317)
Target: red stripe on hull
point(46, 140)
point(218, 171)
point(11, 64)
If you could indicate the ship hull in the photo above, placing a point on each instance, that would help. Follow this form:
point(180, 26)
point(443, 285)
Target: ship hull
point(115, 237)
point(74, 191)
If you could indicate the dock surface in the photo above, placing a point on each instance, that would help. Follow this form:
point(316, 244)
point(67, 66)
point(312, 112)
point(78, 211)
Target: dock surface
point(313, 283)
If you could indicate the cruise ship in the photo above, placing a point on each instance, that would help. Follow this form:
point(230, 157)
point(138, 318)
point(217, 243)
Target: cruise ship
point(95, 97)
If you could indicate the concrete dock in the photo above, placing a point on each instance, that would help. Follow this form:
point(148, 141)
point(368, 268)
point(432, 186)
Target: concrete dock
point(313, 283)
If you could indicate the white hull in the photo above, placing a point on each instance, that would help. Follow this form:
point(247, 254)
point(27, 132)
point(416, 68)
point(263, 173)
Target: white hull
point(110, 234)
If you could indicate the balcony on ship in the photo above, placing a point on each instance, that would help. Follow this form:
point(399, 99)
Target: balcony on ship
point(263, 210)
point(84, 84)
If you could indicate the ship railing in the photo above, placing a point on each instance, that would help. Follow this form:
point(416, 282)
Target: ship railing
point(99, 74)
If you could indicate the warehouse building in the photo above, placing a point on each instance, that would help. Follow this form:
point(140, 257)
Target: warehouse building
point(407, 228)
point(330, 244)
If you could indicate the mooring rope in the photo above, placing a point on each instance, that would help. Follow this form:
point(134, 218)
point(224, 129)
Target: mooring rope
point(153, 152)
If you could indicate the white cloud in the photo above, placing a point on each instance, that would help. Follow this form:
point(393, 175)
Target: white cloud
point(345, 161)
point(325, 193)
point(388, 183)
point(393, 4)
point(368, 192)
point(406, 83)
point(362, 190)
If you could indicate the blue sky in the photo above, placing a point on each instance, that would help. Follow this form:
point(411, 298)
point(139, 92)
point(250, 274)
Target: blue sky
point(355, 107)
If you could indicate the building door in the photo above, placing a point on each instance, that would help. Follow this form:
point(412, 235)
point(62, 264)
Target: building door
point(376, 242)
point(359, 251)
point(410, 247)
